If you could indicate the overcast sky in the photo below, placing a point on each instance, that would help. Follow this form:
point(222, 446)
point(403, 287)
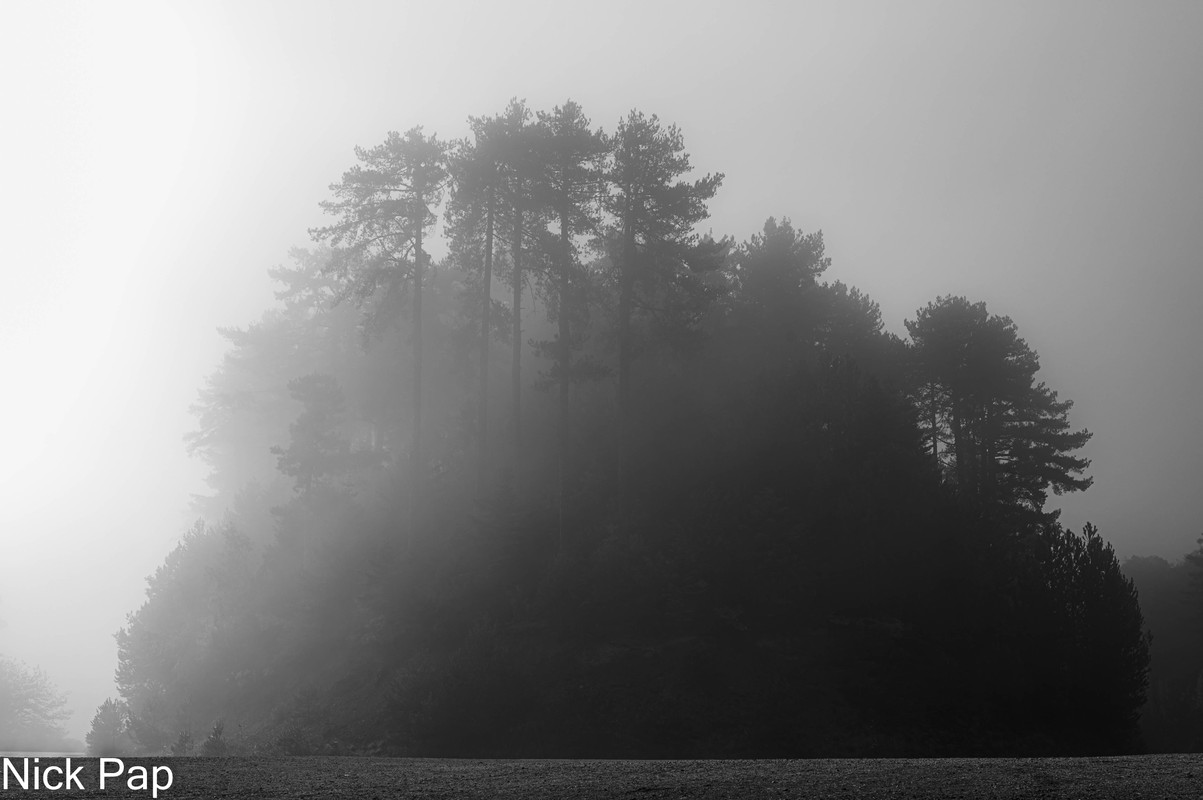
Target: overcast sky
point(158, 158)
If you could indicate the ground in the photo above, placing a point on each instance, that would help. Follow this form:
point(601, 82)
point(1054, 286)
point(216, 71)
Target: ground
point(1145, 777)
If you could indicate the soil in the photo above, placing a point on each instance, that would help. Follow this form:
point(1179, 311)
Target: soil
point(1145, 777)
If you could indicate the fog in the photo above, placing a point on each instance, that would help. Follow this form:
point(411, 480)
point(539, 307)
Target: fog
point(159, 159)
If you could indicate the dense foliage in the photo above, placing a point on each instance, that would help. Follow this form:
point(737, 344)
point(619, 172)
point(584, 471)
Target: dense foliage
point(652, 494)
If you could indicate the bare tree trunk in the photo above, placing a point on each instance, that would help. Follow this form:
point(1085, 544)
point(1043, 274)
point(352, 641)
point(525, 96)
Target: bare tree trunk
point(564, 356)
point(625, 302)
point(517, 332)
point(418, 463)
point(959, 446)
point(486, 309)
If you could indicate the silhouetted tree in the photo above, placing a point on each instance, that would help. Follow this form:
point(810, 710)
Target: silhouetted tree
point(655, 213)
point(1106, 651)
point(1008, 438)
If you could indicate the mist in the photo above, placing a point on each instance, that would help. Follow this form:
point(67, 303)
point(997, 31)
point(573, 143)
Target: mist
point(161, 160)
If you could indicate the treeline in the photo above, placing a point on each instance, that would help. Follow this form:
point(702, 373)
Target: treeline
point(595, 485)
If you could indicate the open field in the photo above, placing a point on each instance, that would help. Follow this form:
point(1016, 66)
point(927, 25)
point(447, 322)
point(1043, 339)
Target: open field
point(1145, 777)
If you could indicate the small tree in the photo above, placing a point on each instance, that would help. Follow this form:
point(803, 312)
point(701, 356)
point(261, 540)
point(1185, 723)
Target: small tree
point(215, 746)
point(32, 710)
point(109, 735)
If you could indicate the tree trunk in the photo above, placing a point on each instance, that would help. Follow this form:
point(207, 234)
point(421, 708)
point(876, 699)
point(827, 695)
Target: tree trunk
point(564, 356)
point(625, 301)
point(958, 446)
point(517, 333)
point(486, 308)
point(418, 463)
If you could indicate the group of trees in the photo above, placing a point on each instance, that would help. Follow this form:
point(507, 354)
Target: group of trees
point(736, 516)
point(535, 188)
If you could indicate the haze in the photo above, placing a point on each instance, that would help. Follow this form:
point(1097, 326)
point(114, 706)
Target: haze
point(159, 158)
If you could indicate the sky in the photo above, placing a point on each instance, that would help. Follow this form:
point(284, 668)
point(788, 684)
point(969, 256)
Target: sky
point(157, 158)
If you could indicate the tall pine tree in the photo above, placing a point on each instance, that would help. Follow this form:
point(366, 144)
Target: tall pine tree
point(383, 206)
point(1003, 438)
point(655, 212)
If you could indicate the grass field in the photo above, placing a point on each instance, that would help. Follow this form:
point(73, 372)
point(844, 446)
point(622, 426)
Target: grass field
point(1144, 777)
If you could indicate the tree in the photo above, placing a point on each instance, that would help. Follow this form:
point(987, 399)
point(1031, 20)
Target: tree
point(472, 215)
point(521, 166)
point(215, 745)
point(851, 326)
point(109, 735)
point(1001, 438)
point(1101, 655)
point(655, 213)
point(384, 207)
point(493, 198)
point(32, 710)
point(775, 294)
point(574, 157)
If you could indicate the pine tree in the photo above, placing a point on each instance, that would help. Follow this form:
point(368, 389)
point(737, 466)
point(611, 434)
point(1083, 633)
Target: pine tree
point(384, 206)
point(525, 220)
point(1004, 439)
point(472, 215)
point(109, 735)
point(655, 213)
point(573, 155)
point(776, 299)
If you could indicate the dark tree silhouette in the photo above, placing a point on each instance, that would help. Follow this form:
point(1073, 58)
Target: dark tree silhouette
point(1002, 438)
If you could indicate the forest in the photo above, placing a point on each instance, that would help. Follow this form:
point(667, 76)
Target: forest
point(596, 484)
